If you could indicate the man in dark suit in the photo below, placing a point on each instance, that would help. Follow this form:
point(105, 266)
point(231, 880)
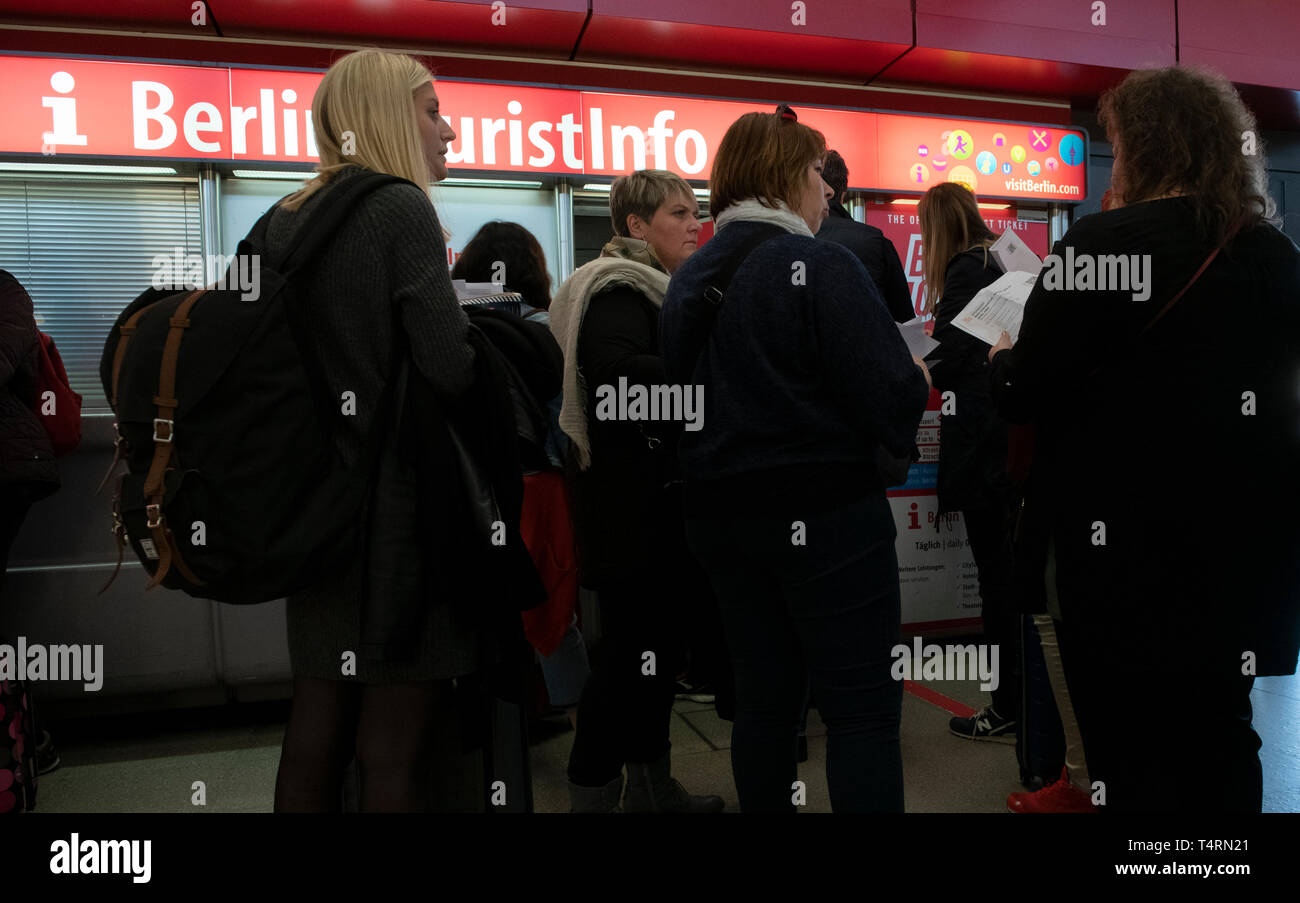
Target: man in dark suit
point(868, 243)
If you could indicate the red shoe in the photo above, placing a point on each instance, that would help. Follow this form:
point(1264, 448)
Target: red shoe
point(1058, 796)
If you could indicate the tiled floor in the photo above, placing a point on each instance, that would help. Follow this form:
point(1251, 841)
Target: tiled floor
point(237, 764)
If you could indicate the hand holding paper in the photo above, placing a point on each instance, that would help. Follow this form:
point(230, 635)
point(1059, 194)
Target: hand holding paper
point(997, 308)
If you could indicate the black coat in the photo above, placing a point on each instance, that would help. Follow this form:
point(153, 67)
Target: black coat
point(877, 254)
point(973, 438)
point(433, 511)
point(626, 513)
point(1156, 439)
point(27, 467)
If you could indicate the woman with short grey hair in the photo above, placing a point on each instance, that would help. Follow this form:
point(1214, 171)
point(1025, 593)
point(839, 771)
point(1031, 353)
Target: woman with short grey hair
point(627, 511)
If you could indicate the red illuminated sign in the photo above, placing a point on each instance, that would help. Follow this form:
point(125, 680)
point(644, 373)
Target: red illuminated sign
point(111, 109)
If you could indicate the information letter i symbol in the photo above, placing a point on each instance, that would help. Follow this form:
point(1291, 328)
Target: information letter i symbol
point(63, 111)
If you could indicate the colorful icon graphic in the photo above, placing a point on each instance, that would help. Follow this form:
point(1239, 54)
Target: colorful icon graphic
point(1040, 139)
point(1051, 164)
point(1033, 167)
point(920, 174)
point(939, 162)
point(963, 175)
point(1006, 168)
point(960, 144)
point(999, 139)
point(986, 163)
point(1018, 153)
point(1071, 150)
point(922, 151)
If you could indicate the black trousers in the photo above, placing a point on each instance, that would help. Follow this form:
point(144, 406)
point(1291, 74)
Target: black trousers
point(825, 610)
point(1155, 753)
point(989, 530)
point(628, 699)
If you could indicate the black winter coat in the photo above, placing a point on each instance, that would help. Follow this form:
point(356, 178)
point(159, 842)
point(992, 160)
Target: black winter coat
point(1180, 445)
point(432, 522)
point(973, 438)
point(627, 505)
point(27, 468)
point(877, 254)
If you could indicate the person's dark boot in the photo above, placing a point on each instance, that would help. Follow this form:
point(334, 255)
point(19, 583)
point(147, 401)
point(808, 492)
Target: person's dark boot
point(652, 788)
point(596, 799)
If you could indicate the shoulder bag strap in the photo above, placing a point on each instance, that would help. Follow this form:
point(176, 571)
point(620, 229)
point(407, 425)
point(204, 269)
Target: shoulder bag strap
point(1169, 305)
point(1190, 282)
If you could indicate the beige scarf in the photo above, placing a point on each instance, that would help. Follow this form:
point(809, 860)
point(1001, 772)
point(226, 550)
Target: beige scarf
point(624, 261)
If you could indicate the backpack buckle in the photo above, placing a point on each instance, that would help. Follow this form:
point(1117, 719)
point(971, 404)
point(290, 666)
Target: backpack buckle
point(713, 295)
point(154, 513)
point(170, 425)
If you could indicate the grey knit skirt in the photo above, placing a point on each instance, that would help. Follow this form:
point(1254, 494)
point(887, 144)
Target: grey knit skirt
point(325, 624)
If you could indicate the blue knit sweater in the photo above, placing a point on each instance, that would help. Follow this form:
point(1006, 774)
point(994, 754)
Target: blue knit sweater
point(804, 372)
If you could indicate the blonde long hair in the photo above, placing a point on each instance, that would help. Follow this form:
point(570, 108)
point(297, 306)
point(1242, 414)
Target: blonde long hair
point(950, 223)
point(364, 105)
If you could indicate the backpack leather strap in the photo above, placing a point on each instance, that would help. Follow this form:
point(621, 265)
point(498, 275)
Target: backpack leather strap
point(164, 448)
point(119, 354)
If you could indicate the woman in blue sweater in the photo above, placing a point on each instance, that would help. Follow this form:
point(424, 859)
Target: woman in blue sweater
point(805, 378)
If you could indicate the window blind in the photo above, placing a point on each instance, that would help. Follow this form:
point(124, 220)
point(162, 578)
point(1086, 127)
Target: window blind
point(84, 250)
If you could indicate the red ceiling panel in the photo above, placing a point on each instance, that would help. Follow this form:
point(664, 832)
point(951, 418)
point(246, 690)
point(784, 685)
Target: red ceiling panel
point(151, 15)
point(537, 26)
point(889, 21)
point(838, 40)
point(1012, 75)
point(773, 89)
point(1046, 48)
point(1250, 41)
point(1134, 34)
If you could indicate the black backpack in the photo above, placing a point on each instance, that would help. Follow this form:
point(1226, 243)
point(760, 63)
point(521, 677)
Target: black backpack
point(233, 490)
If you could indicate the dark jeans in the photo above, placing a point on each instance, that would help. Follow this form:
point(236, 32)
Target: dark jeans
point(989, 530)
point(624, 713)
point(826, 610)
point(1154, 753)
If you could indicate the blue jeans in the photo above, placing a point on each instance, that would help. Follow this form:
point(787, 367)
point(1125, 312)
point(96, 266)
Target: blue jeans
point(827, 610)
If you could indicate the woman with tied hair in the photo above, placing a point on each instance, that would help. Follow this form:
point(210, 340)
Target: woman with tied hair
point(626, 508)
point(376, 112)
point(973, 476)
point(1164, 483)
point(805, 379)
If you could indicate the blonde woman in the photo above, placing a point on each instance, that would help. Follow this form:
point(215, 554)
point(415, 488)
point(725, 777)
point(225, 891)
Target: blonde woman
point(376, 112)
